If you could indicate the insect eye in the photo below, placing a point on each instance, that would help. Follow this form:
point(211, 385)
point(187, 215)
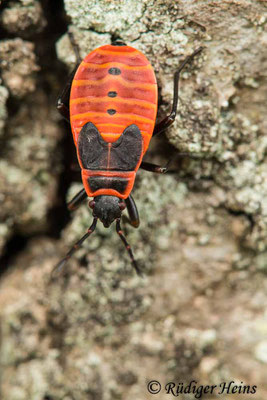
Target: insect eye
point(122, 206)
point(91, 204)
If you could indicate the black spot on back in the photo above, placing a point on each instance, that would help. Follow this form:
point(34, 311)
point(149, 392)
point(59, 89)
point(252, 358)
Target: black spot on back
point(111, 111)
point(114, 71)
point(112, 94)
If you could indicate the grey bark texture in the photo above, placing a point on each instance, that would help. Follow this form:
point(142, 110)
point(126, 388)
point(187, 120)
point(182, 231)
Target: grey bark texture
point(99, 331)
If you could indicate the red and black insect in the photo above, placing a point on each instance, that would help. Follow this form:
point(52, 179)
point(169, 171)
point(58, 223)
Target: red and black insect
point(111, 103)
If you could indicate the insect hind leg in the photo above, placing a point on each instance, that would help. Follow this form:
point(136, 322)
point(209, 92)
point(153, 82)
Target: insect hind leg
point(64, 98)
point(75, 48)
point(169, 119)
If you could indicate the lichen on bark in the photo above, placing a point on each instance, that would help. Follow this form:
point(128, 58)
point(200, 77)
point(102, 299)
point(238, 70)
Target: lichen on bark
point(99, 331)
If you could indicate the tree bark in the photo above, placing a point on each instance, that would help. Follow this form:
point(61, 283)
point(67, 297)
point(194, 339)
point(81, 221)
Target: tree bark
point(99, 331)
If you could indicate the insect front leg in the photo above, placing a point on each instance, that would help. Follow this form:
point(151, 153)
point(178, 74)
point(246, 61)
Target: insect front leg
point(77, 200)
point(132, 212)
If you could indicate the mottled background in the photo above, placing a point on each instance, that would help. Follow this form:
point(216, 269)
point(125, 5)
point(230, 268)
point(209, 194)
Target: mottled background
point(99, 331)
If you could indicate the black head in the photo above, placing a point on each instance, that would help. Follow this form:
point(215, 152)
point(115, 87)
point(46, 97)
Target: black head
point(107, 208)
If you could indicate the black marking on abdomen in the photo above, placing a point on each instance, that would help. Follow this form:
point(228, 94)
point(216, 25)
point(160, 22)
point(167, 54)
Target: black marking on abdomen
point(111, 111)
point(112, 94)
point(114, 71)
point(121, 155)
point(108, 182)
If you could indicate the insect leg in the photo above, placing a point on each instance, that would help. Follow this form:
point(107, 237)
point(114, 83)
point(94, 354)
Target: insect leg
point(155, 168)
point(77, 200)
point(167, 121)
point(127, 246)
point(132, 212)
point(63, 99)
point(75, 48)
point(76, 247)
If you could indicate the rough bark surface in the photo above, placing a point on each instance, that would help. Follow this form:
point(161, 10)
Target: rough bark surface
point(99, 331)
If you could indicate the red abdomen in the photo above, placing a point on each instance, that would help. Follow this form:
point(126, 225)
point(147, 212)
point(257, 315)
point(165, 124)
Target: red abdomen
point(117, 78)
point(114, 87)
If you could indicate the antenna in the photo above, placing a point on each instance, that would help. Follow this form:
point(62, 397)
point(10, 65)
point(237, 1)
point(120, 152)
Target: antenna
point(127, 246)
point(75, 247)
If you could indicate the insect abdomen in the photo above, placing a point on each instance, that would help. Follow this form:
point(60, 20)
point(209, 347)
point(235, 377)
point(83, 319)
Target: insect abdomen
point(114, 87)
